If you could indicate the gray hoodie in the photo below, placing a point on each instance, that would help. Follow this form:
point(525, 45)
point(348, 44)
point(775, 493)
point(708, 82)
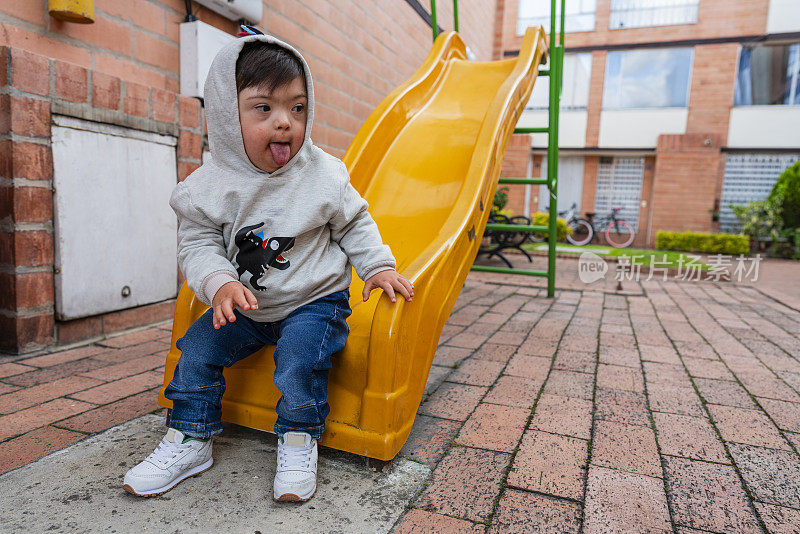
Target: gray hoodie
point(289, 236)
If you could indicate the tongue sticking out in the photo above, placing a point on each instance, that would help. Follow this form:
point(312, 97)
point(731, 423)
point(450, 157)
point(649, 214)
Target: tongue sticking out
point(280, 153)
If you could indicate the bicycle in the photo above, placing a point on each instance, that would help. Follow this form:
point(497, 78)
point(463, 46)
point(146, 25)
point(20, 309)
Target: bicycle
point(584, 229)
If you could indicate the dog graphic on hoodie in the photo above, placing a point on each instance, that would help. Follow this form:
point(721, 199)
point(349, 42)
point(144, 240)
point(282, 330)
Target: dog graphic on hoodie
point(257, 254)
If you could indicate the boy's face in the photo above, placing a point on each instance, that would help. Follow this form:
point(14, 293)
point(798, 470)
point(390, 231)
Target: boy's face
point(273, 124)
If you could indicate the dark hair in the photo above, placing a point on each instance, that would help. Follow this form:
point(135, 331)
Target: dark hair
point(267, 66)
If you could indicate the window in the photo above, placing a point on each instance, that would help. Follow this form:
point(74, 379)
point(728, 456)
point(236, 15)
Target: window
point(768, 76)
point(579, 16)
point(647, 78)
point(619, 183)
point(575, 90)
point(749, 177)
point(640, 13)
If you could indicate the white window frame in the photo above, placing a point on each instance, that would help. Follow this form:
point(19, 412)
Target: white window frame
point(634, 8)
point(544, 20)
point(571, 63)
point(688, 78)
point(749, 177)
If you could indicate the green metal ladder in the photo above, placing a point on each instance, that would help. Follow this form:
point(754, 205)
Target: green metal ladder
point(555, 74)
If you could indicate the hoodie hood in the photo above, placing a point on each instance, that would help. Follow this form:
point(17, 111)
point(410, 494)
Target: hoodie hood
point(222, 110)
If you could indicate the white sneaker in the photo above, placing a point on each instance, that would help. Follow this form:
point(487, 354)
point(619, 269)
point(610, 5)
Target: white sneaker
point(296, 476)
point(172, 462)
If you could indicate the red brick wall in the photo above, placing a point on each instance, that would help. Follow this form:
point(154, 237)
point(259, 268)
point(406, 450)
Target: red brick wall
point(715, 18)
point(711, 96)
point(685, 182)
point(31, 87)
point(358, 51)
point(710, 102)
point(515, 164)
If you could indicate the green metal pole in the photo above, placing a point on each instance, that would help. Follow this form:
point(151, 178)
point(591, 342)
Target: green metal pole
point(455, 14)
point(434, 25)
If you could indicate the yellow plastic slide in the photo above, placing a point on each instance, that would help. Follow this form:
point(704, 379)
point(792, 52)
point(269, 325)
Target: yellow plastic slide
point(427, 160)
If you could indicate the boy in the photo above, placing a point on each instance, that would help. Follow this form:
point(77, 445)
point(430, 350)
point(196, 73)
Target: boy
point(269, 225)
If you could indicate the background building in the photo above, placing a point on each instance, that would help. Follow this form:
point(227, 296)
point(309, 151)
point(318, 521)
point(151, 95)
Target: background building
point(672, 108)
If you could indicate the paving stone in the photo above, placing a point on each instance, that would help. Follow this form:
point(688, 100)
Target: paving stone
point(621, 406)
point(465, 483)
point(771, 476)
point(112, 355)
point(448, 331)
point(618, 356)
point(619, 502)
point(570, 384)
point(106, 416)
point(740, 425)
point(134, 338)
point(28, 447)
point(528, 367)
point(436, 375)
point(494, 427)
point(567, 416)
point(583, 362)
point(494, 352)
point(583, 343)
point(520, 512)
point(794, 439)
point(785, 414)
point(514, 391)
point(659, 353)
point(665, 373)
point(492, 318)
point(40, 415)
point(690, 437)
point(696, 349)
point(429, 439)
point(121, 388)
point(535, 345)
point(418, 521)
point(765, 384)
point(7, 388)
point(11, 369)
point(504, 337)
point(618, 377)
point(701, 368)
point(453, 401)
point(724, 392)
point(449, 356)
point(626, 447)
point(708, 496)
point(128, 368)
point(673, 399)
point(64, 356)
point(477, 372)
point(50, 374)
point(779, 519)
point(467, 340)
point(25, 398)
point(548, 463)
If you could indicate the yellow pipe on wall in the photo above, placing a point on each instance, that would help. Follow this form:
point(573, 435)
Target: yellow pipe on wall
point(79, 11)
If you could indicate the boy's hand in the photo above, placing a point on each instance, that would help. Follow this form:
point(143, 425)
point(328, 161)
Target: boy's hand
point(227, 298)
point(388, 281)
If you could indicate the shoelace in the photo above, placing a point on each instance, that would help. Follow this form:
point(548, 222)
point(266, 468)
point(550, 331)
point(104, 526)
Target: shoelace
point(295, 456)
point(166, 451)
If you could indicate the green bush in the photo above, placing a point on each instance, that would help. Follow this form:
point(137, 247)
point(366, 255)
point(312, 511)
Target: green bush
point(732, 244)
point(760, 219)
point(543, 218)
point(786, 195)
point(500, 199)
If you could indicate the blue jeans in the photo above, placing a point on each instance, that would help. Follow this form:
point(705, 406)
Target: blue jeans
point(304, 343)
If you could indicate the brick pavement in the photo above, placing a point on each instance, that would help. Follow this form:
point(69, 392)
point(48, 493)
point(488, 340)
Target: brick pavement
point(663, 407)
